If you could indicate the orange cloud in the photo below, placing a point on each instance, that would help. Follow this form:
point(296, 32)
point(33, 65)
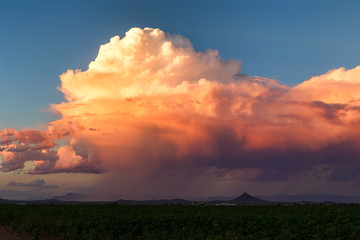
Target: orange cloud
point(150, 102)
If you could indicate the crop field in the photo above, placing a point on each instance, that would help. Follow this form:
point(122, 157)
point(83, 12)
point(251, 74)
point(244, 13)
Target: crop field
point(183, 222)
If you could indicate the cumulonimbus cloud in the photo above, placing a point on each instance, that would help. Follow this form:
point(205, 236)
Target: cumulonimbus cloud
point(150, 102)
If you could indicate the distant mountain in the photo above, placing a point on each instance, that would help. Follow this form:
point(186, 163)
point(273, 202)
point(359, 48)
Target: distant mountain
point(20, 202)
point(318, 198)
point(7, 201)
point(71, 197)
point(243, 199)
point(247, 199)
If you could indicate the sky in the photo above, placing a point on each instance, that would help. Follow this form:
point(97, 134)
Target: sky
point(169, 99)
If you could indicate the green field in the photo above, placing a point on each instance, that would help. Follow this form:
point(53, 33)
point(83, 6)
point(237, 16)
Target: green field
point(184, 222)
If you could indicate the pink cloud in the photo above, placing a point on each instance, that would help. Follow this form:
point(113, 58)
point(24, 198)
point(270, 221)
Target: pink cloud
point(150, 103)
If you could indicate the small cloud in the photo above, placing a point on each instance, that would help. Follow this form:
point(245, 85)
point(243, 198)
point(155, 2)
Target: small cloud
point(38, 184)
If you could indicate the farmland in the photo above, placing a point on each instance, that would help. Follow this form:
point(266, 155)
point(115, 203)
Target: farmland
point(183, 222)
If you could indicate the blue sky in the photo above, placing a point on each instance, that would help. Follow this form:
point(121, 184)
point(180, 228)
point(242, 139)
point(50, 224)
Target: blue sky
point(287, 40)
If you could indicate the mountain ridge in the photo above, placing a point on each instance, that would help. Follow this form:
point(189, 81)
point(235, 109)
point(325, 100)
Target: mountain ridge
point(243, 199)
point(317, 198)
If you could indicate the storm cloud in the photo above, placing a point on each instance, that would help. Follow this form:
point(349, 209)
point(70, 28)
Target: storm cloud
point(150, 103)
